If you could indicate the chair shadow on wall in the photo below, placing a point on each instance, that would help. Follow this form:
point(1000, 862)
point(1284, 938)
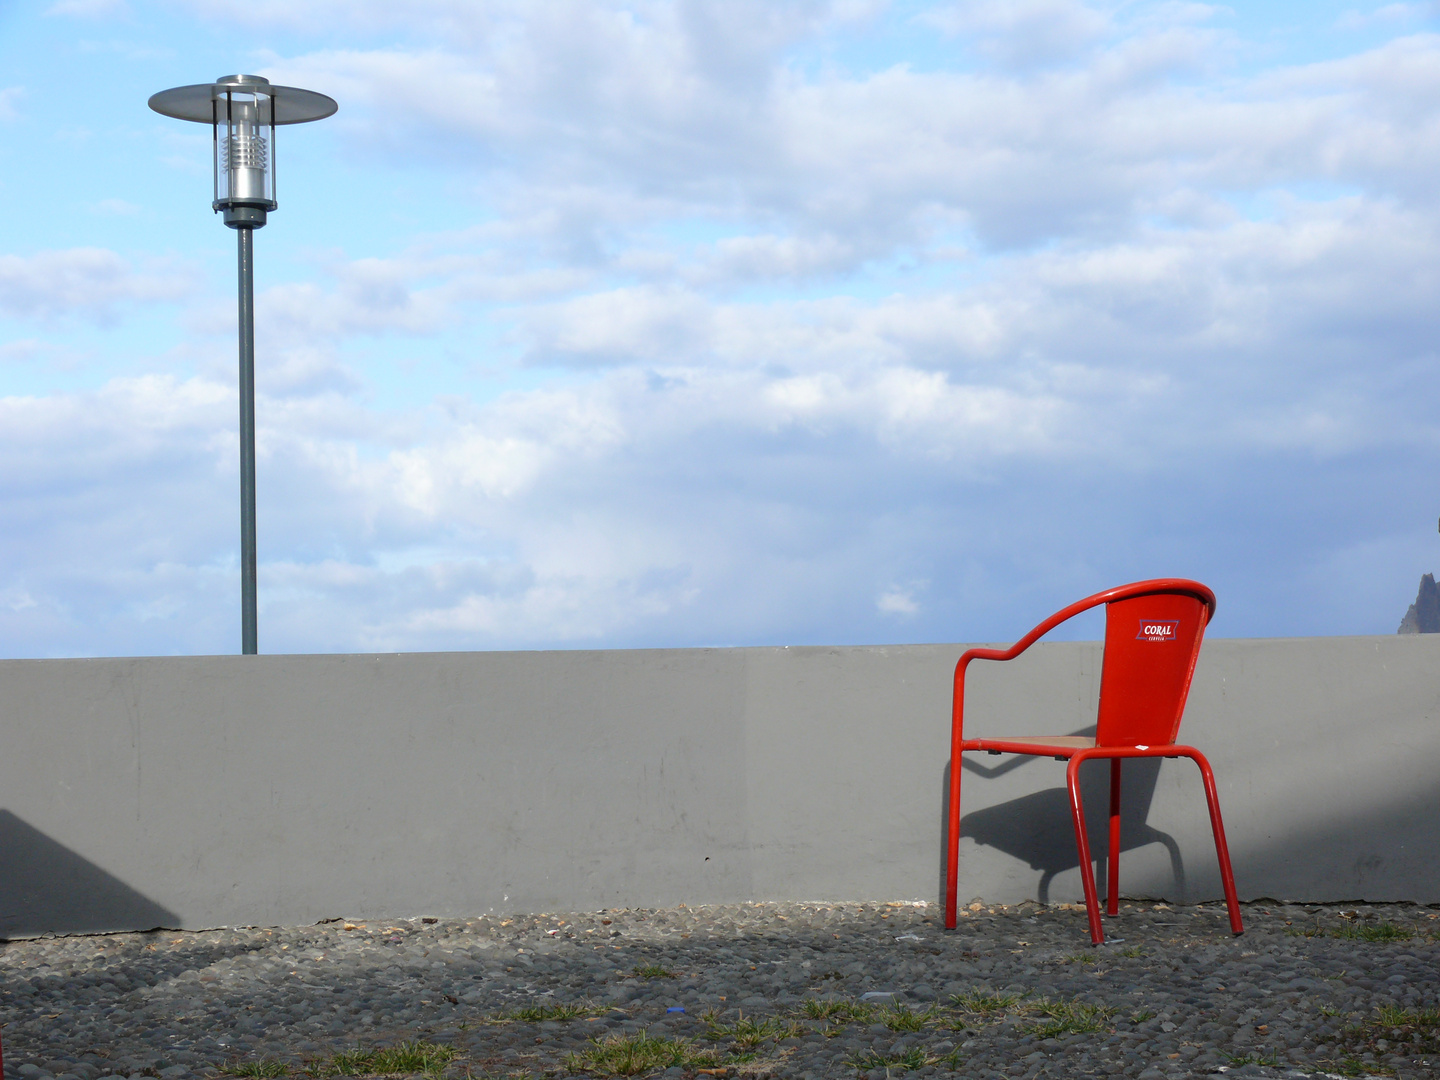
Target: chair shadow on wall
point(48, 887)
point(1037, 829)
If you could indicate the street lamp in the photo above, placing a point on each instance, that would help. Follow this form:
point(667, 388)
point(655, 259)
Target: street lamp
point(239, 110)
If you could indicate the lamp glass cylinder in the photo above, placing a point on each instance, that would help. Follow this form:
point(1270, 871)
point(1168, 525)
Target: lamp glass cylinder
point(244, 145)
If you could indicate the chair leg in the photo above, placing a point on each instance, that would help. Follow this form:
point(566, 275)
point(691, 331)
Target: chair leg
point(1082, 844)
point(1222, 850)
point(1112, 860)
point(952, 843)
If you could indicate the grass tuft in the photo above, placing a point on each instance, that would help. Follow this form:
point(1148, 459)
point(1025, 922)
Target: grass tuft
point(1354, 1066)
point(535, 1014)
point(406, 1057)
point(1392, 1030)
point(1392, 1016)
point(630, 1055)
point(984, 1004)
point(1070, 1018)
point(903, 1018)
point(1379, 932)
point(840, 1012)
point(913, 1058)
point(1270, 1059)
point(652, 971)
point(750, 1033)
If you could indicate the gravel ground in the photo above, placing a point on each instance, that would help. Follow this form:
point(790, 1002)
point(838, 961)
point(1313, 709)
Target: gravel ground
point(783, 990)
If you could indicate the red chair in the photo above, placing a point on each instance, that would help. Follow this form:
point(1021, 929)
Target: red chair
point(1153, 631)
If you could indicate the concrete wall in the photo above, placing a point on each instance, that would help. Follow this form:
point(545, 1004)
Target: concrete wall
point(197, 792)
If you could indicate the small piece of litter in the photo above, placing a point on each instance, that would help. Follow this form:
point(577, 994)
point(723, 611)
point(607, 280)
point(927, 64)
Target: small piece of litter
point(675, 1008)
point(908, 937)
point(879, 995)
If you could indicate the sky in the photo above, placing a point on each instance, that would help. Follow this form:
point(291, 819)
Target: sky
point(674, 323)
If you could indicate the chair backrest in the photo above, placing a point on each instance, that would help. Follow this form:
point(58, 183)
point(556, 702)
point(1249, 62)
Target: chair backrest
point(1152, 640)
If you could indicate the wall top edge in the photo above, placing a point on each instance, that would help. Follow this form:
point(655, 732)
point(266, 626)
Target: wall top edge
point(728, 650)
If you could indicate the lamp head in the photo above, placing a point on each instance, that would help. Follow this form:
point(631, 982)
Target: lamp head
point(243, 112)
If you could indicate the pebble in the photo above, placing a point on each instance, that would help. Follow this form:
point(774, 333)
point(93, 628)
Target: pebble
point(1172, 994)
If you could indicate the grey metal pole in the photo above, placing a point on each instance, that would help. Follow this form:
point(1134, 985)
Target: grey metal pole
point(248, 643)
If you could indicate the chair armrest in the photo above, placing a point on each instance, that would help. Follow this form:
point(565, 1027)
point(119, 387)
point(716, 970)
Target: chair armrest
point(957, 716)
point(1120, 592)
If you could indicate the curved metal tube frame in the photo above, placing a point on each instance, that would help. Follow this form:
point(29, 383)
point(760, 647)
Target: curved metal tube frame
point(959, 744)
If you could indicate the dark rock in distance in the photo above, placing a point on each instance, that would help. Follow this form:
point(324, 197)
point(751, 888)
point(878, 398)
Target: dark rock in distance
point(1424, 615)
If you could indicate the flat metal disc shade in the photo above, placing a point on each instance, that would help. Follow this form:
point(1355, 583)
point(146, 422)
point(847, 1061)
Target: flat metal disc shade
point(292, 105)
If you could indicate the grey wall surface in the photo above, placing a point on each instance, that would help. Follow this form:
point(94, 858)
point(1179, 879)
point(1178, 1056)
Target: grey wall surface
point(210, 791)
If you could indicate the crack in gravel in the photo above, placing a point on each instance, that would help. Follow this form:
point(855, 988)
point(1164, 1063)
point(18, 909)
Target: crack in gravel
point(1308, 990)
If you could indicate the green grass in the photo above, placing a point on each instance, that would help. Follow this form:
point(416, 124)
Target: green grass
point(1270, 1058)
point(1381, 932)
point(840, 1012)
point(1080, 958)
point(264, 1069)
point(1354, 1066)
point(406, 1057)
point(984, 1004)
point(630, 1055)
point(913, 1058)
point(750, 1033)
point(535, 1014)
point(1070, 1018)
point(653, 971)
point(1392, 1016)
point(1405, 1031)
point(903, 1018)
point(1141, 1016)
point(1133, 952)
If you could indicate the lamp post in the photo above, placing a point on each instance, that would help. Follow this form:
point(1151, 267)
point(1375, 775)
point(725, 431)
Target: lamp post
point(239, 110)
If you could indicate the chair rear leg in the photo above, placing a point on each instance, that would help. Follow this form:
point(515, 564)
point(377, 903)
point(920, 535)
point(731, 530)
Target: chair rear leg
point(1222, 850)
point(1112, 860)
point(1082, 844)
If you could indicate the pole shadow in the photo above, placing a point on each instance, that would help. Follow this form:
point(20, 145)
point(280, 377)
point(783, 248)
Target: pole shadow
point(47, 888)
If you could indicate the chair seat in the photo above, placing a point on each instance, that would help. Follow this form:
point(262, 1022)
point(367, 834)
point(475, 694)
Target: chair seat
point(1043, 743)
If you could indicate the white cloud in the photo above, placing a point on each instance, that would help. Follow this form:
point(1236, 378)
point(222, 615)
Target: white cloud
point(116, 207)
point(897, 601)
point(1391, 14)
point(606, 121)
point(802, 351)
point(89, 282)
point(1022, 33)
point(10, 98)
point(89, 9)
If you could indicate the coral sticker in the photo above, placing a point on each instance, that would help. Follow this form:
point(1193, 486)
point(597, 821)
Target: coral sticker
point(1158, 629)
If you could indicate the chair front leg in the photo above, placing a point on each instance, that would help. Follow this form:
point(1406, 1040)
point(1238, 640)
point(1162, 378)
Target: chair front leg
point(952, 843)
point(1222, 850)
point(1082, 844)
